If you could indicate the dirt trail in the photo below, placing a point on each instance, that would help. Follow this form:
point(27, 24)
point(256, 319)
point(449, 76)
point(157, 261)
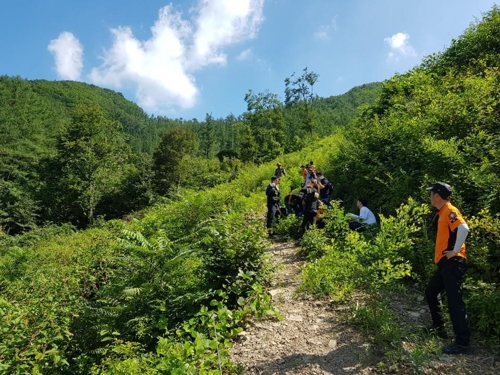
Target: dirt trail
point(311, 340)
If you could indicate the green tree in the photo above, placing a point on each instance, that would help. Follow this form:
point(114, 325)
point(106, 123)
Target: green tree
point(299, 92)
point(248, 147)
point(208, 137)
point(17, 209)
point(265, 119)
point(89, 163)
point(175, 145)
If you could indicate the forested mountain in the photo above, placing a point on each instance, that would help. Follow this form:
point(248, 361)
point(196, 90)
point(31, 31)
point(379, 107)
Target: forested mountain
point(41, 171)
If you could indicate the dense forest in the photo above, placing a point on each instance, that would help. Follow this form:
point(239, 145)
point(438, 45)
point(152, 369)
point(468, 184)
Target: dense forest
point(164, 287)
point(73, 152)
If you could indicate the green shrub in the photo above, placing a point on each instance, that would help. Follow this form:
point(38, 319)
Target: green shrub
point(288, 228)
point(336, 222)
point(483, 306)
point(313, 244)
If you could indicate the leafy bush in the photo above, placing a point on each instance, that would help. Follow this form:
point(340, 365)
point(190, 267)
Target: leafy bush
point(483, 307)
point(483, 246)
point(314, 243)
point(288, 228)
point(367, 261)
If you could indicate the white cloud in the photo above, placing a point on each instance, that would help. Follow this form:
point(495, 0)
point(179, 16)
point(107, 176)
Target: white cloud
point(68, 54)
point(162, 68)
point(400, 46)
point(324, 32)
point(244, 55)
point(222, 23)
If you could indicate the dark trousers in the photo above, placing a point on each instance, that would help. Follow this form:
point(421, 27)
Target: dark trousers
point(357, 225)
point(272, 212)
point(308, 220)
point(449, 277)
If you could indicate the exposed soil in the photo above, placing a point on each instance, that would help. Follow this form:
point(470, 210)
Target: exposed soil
point(311, 339)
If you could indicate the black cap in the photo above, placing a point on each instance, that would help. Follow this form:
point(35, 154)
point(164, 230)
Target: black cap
point(442, 188)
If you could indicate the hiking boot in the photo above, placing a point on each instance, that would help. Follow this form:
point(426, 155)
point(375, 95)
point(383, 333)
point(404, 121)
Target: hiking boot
point(456, 349)
point(440, 331)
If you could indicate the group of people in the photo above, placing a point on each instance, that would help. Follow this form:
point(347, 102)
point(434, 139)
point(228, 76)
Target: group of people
point(450, 256)
point(313, 195)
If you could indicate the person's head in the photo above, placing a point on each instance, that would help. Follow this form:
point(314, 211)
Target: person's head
point(319, 174)
point(362, 202)
point(303, 166)
point(311, 163)
point(440, 194)
point(309, 168)
point(278, 165)
point(275, 180)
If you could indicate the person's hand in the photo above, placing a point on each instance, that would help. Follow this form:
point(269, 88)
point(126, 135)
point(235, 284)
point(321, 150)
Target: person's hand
point(450, 254)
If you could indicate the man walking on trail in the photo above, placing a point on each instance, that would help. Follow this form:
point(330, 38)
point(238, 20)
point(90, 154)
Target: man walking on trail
point(273, 201)
point(280, 171)
point(449, 255)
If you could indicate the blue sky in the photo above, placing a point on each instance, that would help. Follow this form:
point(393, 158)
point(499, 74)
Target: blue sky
point(192, 57)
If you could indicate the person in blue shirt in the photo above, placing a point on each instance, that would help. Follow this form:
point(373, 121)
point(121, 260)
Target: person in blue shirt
point(365, 217)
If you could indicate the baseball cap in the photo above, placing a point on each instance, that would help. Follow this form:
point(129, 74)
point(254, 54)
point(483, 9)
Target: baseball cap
point(442, 188)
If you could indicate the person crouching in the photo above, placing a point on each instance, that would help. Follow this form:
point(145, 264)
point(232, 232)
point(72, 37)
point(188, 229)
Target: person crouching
point(311, 204)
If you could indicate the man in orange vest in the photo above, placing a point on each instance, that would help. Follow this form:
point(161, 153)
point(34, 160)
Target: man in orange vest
point(449, 255)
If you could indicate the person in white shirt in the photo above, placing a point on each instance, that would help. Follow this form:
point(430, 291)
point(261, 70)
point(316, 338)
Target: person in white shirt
point(365, 217)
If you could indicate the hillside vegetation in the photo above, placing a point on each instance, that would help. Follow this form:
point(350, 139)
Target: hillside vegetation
point(165, 289)
point(73, 152)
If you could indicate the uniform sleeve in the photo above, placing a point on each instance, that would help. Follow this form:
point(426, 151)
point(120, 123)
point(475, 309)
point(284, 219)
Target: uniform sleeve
point(454, 219)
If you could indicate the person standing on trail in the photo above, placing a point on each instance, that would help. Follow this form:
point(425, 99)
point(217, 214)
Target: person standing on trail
point(310, 203)
point(450, 258)
point(280, 171)
point(273, 201)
